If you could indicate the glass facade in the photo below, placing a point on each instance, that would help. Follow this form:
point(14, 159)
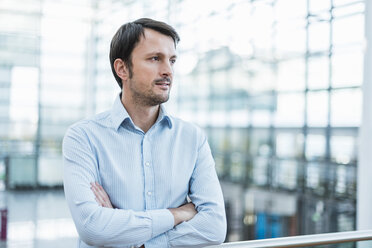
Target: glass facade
point(276, 84)
point(43, 68)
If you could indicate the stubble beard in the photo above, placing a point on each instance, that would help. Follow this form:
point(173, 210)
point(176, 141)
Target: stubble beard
point(148, 98)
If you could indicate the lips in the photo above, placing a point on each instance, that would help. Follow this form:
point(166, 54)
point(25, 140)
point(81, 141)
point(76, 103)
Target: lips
point(162, 83)
point(163, 86)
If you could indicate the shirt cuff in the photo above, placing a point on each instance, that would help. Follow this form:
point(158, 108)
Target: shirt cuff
point(162, 221)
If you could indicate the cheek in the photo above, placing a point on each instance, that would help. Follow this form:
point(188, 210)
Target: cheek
point(143, 81)
point(147, 70)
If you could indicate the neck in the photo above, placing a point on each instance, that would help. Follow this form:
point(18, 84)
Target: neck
point(142, 116)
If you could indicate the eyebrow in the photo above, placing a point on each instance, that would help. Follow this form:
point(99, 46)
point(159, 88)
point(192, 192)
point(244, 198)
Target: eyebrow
point(161, 54)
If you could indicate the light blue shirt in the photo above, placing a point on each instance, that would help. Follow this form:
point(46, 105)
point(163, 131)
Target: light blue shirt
point(144, 174)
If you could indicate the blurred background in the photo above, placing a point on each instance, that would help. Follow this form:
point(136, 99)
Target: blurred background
point(276, 84)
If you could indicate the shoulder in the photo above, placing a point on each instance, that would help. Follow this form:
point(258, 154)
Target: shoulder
point(91, 124)
point(82, 133)
point(179, 123)
point(188, 129)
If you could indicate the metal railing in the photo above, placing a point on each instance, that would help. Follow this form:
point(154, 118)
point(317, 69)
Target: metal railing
point(304, 240)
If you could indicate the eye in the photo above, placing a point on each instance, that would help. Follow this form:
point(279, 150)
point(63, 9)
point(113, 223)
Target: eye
point(173, 61)
point(155, 58)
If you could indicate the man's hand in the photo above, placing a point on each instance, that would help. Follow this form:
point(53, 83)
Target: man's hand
point(184, 213)
point(101, 196)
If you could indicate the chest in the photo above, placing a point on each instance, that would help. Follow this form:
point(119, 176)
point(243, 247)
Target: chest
point(145, 173)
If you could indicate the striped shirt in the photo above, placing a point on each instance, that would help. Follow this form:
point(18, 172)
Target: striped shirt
point(144, 174)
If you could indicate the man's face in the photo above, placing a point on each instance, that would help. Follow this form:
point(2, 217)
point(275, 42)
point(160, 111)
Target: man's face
point(152, 69)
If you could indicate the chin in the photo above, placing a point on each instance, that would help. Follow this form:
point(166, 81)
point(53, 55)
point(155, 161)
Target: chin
point(164, 100)
point(157, 100)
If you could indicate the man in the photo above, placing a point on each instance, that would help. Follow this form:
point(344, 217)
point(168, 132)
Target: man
point(140, 160)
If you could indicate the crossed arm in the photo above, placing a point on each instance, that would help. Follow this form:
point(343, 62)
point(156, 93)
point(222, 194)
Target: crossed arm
point(196, 224)
point(183, 213)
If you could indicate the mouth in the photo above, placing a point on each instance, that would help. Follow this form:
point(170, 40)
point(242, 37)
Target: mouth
point(163, 85)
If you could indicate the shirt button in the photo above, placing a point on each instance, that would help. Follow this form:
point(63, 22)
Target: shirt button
point(147, 164)
point(149, 193)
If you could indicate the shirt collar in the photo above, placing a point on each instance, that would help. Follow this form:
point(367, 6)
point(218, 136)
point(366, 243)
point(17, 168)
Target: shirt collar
point(119, 114)
point(163, 116)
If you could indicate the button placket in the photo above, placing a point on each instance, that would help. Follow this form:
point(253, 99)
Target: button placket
point(148, 172)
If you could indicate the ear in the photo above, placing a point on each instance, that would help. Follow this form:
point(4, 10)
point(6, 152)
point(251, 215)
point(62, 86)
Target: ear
point(121, 69)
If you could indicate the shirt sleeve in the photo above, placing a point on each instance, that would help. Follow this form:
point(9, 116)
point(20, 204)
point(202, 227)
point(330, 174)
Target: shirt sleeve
point(96, 225)
point(208, 227)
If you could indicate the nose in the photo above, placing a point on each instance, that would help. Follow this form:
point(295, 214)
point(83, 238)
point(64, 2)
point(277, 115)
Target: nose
point(167, 69)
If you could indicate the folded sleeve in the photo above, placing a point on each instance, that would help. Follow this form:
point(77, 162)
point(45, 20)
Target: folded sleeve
point(96, 225)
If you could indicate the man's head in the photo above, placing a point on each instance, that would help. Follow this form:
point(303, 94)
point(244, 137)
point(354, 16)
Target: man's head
point(128, 37)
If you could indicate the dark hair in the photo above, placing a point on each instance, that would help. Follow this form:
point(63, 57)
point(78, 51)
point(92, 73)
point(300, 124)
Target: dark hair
point(127, 37)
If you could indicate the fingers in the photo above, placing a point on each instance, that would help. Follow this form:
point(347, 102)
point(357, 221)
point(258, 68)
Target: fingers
point(97, 194)
point(183, 213)
point(101, 196)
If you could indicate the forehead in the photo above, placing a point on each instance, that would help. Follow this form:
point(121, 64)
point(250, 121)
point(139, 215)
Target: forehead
point(153, 41)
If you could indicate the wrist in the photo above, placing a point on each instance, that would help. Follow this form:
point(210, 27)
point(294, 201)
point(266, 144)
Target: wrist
point(174, 212)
